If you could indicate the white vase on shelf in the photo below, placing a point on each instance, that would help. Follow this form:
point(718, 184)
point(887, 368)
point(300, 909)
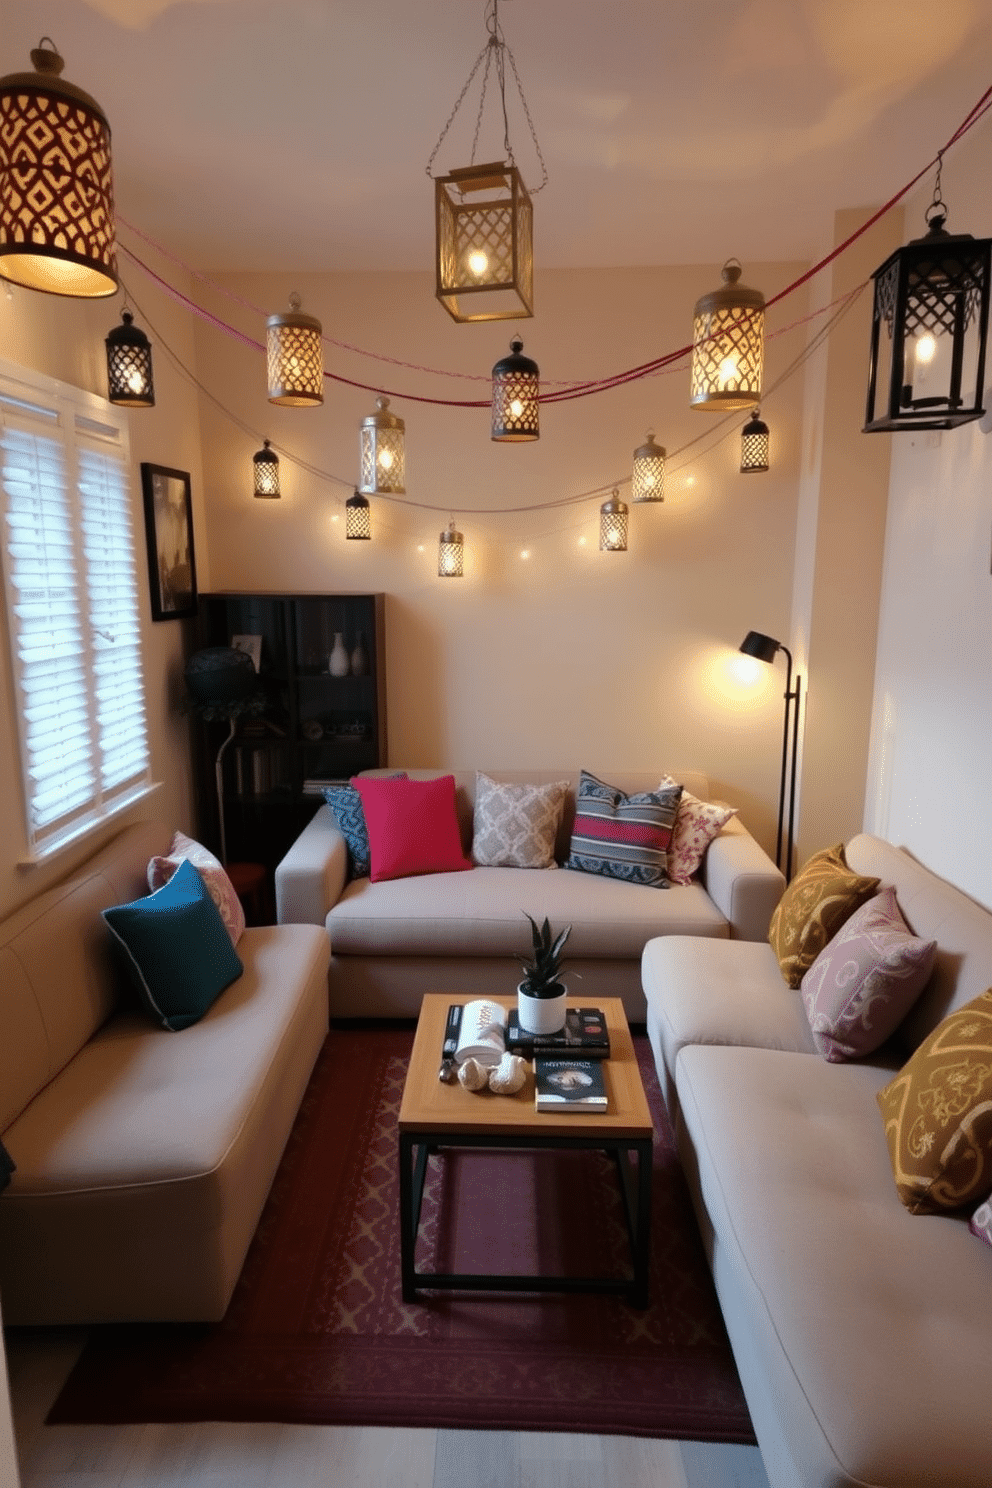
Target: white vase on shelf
point(359, 658)
point(337, 663)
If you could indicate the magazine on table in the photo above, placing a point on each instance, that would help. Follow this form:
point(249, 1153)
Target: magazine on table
point(569, 1085)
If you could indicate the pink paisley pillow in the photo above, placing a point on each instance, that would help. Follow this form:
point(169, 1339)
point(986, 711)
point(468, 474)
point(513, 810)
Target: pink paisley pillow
point(211, 870)
point(696, 824)
point(981, 1222)
point(865, 980)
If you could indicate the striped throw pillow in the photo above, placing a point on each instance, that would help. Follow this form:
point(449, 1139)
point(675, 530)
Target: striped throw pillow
point(623, 836)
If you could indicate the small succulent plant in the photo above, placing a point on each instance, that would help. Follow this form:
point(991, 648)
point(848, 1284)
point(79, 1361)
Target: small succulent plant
point(542, 973)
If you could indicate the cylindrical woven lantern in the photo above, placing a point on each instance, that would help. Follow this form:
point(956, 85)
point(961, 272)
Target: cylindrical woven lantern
point(648, 476)
point(358, 517)
point(266, 470)
point(295, 354)
point(451, 553)
point(728, 345)
point(516, 398)
point(485, 252)
point(383, 452)
point(56, 183)
point(754, 445)
point(613, 525)
point(129, 366)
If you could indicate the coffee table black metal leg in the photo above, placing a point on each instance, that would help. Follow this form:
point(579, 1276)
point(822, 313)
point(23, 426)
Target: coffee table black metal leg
point(641, 1233)
point(411, 1194)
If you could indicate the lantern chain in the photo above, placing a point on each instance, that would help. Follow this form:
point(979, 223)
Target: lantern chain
point(938, 207)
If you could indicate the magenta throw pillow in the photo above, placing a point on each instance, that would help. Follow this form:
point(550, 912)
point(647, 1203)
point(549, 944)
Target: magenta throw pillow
point(412, 826)
point(865, 980)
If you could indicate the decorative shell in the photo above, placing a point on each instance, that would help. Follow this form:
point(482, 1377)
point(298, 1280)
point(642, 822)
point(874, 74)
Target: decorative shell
point(472, 1075)
point(509, 1075)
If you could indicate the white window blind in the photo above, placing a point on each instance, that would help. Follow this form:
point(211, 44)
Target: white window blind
point(72, 605)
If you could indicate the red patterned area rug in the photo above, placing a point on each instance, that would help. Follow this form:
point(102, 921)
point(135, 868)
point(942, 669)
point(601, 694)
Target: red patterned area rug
point(317, 1330)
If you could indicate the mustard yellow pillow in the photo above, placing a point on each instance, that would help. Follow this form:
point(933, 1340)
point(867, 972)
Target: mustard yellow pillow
point(823, 894)
point(938, 1114)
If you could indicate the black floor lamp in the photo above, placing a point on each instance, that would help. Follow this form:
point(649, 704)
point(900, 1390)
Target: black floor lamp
point(763, 648)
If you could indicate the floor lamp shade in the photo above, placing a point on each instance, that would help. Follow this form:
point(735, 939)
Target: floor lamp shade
point(56, 184)
point(765, 648)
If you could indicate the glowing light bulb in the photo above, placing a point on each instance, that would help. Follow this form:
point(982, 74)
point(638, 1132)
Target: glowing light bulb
point(926, 349)
point(385, 459)
point(729, 372)
point(135, 381)
point(478, 262)
point(516, 407)
point(525, 552)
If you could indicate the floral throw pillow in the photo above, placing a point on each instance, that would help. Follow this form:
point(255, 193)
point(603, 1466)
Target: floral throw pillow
point(219, 886)
point(865, 980)
point(823, 894)
point(696, 825)
point(515, 826)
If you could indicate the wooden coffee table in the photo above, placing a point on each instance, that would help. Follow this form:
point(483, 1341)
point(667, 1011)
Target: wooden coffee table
point(434, 1115)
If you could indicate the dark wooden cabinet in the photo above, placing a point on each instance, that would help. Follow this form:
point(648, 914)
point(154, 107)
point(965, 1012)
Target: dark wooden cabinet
point(312, 727)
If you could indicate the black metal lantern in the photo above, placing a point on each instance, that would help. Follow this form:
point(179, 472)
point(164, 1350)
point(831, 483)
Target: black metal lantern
point(754, 445)
point(358, 517)
point(516, 388)
point(129, 366)
point(266, 469)
point(929, 330)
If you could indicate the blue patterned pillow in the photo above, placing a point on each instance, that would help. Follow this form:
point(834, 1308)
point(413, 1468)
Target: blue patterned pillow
point(349, 814)
point(623, 836)
point(176, 948)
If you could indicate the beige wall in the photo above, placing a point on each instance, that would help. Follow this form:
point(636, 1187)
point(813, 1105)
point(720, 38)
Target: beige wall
point(570, 657)
point(64, 339)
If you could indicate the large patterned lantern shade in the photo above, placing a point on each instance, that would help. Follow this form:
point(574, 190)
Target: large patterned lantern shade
point(485, 250)
point(56, 184)
point(295, 356)
point(929, 332)
point(728, 345)
point(516, 398)
point(383, 452)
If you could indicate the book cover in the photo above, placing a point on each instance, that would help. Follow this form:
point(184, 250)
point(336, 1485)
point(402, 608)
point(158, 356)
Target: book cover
point(569, 1085)
point(585, 1033)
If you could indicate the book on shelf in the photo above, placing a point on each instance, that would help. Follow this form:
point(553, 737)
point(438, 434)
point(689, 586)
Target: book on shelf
point(569, 1085)
point(585, 1034)
point(315, 787)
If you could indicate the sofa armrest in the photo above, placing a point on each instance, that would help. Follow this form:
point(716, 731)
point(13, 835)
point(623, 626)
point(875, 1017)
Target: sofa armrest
point(742, 881)
point(312, 875)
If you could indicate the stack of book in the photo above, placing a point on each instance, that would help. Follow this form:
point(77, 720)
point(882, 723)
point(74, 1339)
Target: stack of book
point(585, 1035)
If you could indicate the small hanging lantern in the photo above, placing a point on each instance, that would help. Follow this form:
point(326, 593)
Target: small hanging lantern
point(129, 366)
point(648, 477)
point(754, 445)
point(266, 469)
point(56, 183)
point(613, 525)
point(516, 398)
point(451, 553)
point(485, 250)
point(728, 335)
point(383, 452)
point(932, 298)
point(358, 517)
point(295, 355)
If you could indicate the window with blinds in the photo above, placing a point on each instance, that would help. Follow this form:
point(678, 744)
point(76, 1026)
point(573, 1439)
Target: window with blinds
point(71, 587)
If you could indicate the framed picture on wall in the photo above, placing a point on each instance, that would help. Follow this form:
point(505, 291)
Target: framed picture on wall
point(169, 531)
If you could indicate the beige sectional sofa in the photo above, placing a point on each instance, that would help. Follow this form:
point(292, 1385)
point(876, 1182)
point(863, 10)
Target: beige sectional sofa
point(462, 933)
point(143, 1156)
point(862, 1332)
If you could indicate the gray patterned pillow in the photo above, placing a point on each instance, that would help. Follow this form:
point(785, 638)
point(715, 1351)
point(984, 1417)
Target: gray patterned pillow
point(515, 826)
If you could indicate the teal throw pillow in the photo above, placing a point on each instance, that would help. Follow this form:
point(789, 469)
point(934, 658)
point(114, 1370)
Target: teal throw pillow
point(176, 948)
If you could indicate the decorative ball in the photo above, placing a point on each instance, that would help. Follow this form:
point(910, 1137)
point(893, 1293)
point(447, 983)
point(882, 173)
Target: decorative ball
point(220, 674)
point(472, 1075)
point(509, 1075)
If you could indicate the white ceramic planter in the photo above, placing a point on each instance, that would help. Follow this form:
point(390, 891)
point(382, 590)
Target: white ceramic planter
point(540, 1014)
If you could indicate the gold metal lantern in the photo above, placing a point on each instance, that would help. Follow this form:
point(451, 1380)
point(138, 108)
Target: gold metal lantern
point(613, 525)
point(383, 452)
point(295, 356)
point(647, 481)
point(451, 553)
point(728, 345)
point(485, 243)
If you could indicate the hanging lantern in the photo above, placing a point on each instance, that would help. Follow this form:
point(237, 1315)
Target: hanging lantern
point(56, 183)
point(266, 469)
point(383, 452)
point(129, 366)
point(927, 371)
point(358, 517)
point(485, 251)
point(754, 445)
point(451, 553)
point(516, 396)
point(728, 345)
point(613, 525)
point(648, 476)
point(295, 354)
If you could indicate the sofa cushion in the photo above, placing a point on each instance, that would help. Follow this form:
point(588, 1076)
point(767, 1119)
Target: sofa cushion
point(211, 870)
point(938, 1114)
point(515, 826)
point(176, 949)
point(823, 894)
point(696, 824)
point(865, 979)
point(412, 826)
point(623, 836)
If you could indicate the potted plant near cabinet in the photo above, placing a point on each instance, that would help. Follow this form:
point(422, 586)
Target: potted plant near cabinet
point(541, 993)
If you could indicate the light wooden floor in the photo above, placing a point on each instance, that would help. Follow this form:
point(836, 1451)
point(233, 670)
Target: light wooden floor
point(216, 1455)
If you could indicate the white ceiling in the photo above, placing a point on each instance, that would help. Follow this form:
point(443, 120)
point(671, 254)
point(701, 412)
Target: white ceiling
point(295, 135)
